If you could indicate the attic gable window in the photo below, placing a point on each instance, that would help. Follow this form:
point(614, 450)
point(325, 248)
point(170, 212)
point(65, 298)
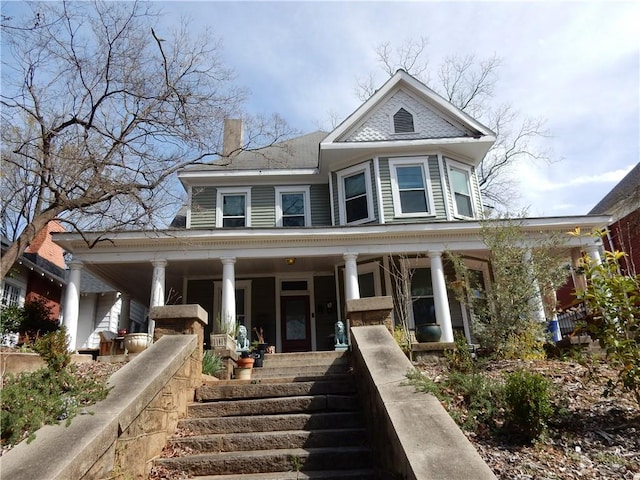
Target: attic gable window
point(233, 207)
point(403, 122)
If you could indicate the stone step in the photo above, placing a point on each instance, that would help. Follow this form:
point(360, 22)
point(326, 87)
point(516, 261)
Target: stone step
point(234, 442)
point(272, 360)
point(298, 370)
point(263, 390)
point(268, 423)
point(343, 376)
point(270, 406)
point(263, 461)
point(361, 474)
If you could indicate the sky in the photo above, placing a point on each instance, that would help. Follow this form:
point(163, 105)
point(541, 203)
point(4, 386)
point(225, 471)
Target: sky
point(573, 64)
point(576, 65)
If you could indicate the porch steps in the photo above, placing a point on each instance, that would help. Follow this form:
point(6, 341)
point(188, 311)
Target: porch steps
point(283, 424)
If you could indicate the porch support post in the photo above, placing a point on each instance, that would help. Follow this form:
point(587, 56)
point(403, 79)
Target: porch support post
point(229, 291)
point(351, 287)
point(594, 254)
point(536, 303)
point(579, 279)
point(157, 289)
point(440, 297)
point(125, 311)
point(71, 307)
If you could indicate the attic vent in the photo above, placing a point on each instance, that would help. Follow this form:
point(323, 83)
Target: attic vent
point(403, 122)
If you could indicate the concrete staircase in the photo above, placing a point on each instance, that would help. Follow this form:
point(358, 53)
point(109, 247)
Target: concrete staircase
point(297, 418)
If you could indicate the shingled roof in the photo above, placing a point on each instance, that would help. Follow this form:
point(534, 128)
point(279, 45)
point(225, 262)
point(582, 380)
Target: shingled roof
point(627, 190)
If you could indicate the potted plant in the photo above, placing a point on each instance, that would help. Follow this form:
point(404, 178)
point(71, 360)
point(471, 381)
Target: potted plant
point(244, 366)
point(224, 336)
point(259, 347)
point(428, 330)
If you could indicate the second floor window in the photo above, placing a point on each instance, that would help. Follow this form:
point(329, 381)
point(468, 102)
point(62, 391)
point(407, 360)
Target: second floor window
point(292, 207)
point(356, 199)
point(233, 208)
point(410, 187)
point(460, 181)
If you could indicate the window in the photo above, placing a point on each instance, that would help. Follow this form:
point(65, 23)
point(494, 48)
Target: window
point(354, 187)
point(410, 187)
point(460, 183)
point(233, 207)
point(369, 279)
point(403, 122)
point(10, 295)
point(292, 207)
point(424, 309)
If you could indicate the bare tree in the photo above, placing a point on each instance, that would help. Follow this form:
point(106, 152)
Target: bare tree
point(469, 83)
point(99, 109)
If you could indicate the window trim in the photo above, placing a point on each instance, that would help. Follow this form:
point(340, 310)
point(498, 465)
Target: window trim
point(395, 190)
point(222, 192)
point(454, 165)
point(305, 190)
point(374, 268)
point(21, 292)
point(349, 172)
point(392, 124)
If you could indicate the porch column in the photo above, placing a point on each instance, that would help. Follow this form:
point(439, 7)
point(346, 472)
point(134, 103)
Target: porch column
point(440, 297)
point(228, 290)
point(579, 279)
point(594, 254)
point(536, 303)
point(71, 307)
point(157, 289)
point(351, 287)
point(125, 311)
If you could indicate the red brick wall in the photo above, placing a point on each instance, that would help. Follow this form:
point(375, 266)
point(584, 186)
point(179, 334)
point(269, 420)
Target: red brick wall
point(40, 287)
point(625, 236)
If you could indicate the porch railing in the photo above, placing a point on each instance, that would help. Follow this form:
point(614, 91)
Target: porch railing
point(569, 320)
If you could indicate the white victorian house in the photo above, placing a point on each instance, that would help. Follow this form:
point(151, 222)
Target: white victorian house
point(280, 238)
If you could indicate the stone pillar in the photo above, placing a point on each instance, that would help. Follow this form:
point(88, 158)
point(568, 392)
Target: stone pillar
point(125, 311)
point(440, 297)
point(71, 307)
point(157, 289)
point(228, 291)
point(537, 304)
point(351, 287)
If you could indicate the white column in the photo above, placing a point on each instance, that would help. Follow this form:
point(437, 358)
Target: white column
point(594, 254)
point(440, 297)
point(71, 307)
point(351, 287)
point(537, 305)
point(229, 291)
point(157, 289)
point(125, 311)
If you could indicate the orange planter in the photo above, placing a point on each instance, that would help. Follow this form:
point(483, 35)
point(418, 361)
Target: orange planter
point(245, 362)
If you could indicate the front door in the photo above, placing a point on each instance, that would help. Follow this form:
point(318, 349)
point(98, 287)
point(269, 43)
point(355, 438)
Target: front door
point(296, 325)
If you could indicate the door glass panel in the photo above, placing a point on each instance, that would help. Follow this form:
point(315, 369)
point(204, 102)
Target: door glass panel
point(295, 320)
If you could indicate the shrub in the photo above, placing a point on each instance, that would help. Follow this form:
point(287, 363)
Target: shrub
point(53, 348)
point(528, 403)
point(400, 337)
point(44, 397)
point(212, 363)
point(10, 319)
point(482, 400)
point(460, 358)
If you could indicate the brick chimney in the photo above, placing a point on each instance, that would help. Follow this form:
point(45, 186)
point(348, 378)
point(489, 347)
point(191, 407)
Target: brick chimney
point(43, 245)
point(232, 139)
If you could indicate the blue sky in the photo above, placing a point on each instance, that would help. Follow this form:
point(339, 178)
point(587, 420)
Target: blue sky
point(574, 64)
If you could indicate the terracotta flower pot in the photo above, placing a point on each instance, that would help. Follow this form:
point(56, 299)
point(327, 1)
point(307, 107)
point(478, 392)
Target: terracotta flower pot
point(245, 362)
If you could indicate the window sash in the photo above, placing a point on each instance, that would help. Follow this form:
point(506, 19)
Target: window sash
point(293, 209)
point(10, 295)
point(355, 191)
point(410, 187)
point(234, 210)
point(461, 187)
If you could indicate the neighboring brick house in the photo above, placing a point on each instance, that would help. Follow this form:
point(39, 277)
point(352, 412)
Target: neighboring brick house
point(282, 238)
point(39, 273)
point(623, 204)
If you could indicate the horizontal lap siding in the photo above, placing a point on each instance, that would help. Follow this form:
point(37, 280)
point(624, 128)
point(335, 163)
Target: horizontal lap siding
point(320, 206)
point(263, 210)
point(436, 187)
point(203, 207)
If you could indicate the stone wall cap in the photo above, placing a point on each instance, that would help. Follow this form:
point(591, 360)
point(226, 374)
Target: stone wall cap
point(179, 311)
point(369, 303)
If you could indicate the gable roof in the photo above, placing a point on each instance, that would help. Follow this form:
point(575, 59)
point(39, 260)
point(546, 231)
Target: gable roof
point(623, 198)
point(447, 127)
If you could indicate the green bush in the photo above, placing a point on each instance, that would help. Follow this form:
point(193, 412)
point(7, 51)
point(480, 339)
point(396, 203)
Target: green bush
point(53, 348)
point(10, 319)
point(528, 403)
point(212, 363)
point(44, 397)
point(460, 358)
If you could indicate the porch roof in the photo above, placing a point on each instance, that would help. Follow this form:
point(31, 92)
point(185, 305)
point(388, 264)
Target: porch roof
point(123, 259)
